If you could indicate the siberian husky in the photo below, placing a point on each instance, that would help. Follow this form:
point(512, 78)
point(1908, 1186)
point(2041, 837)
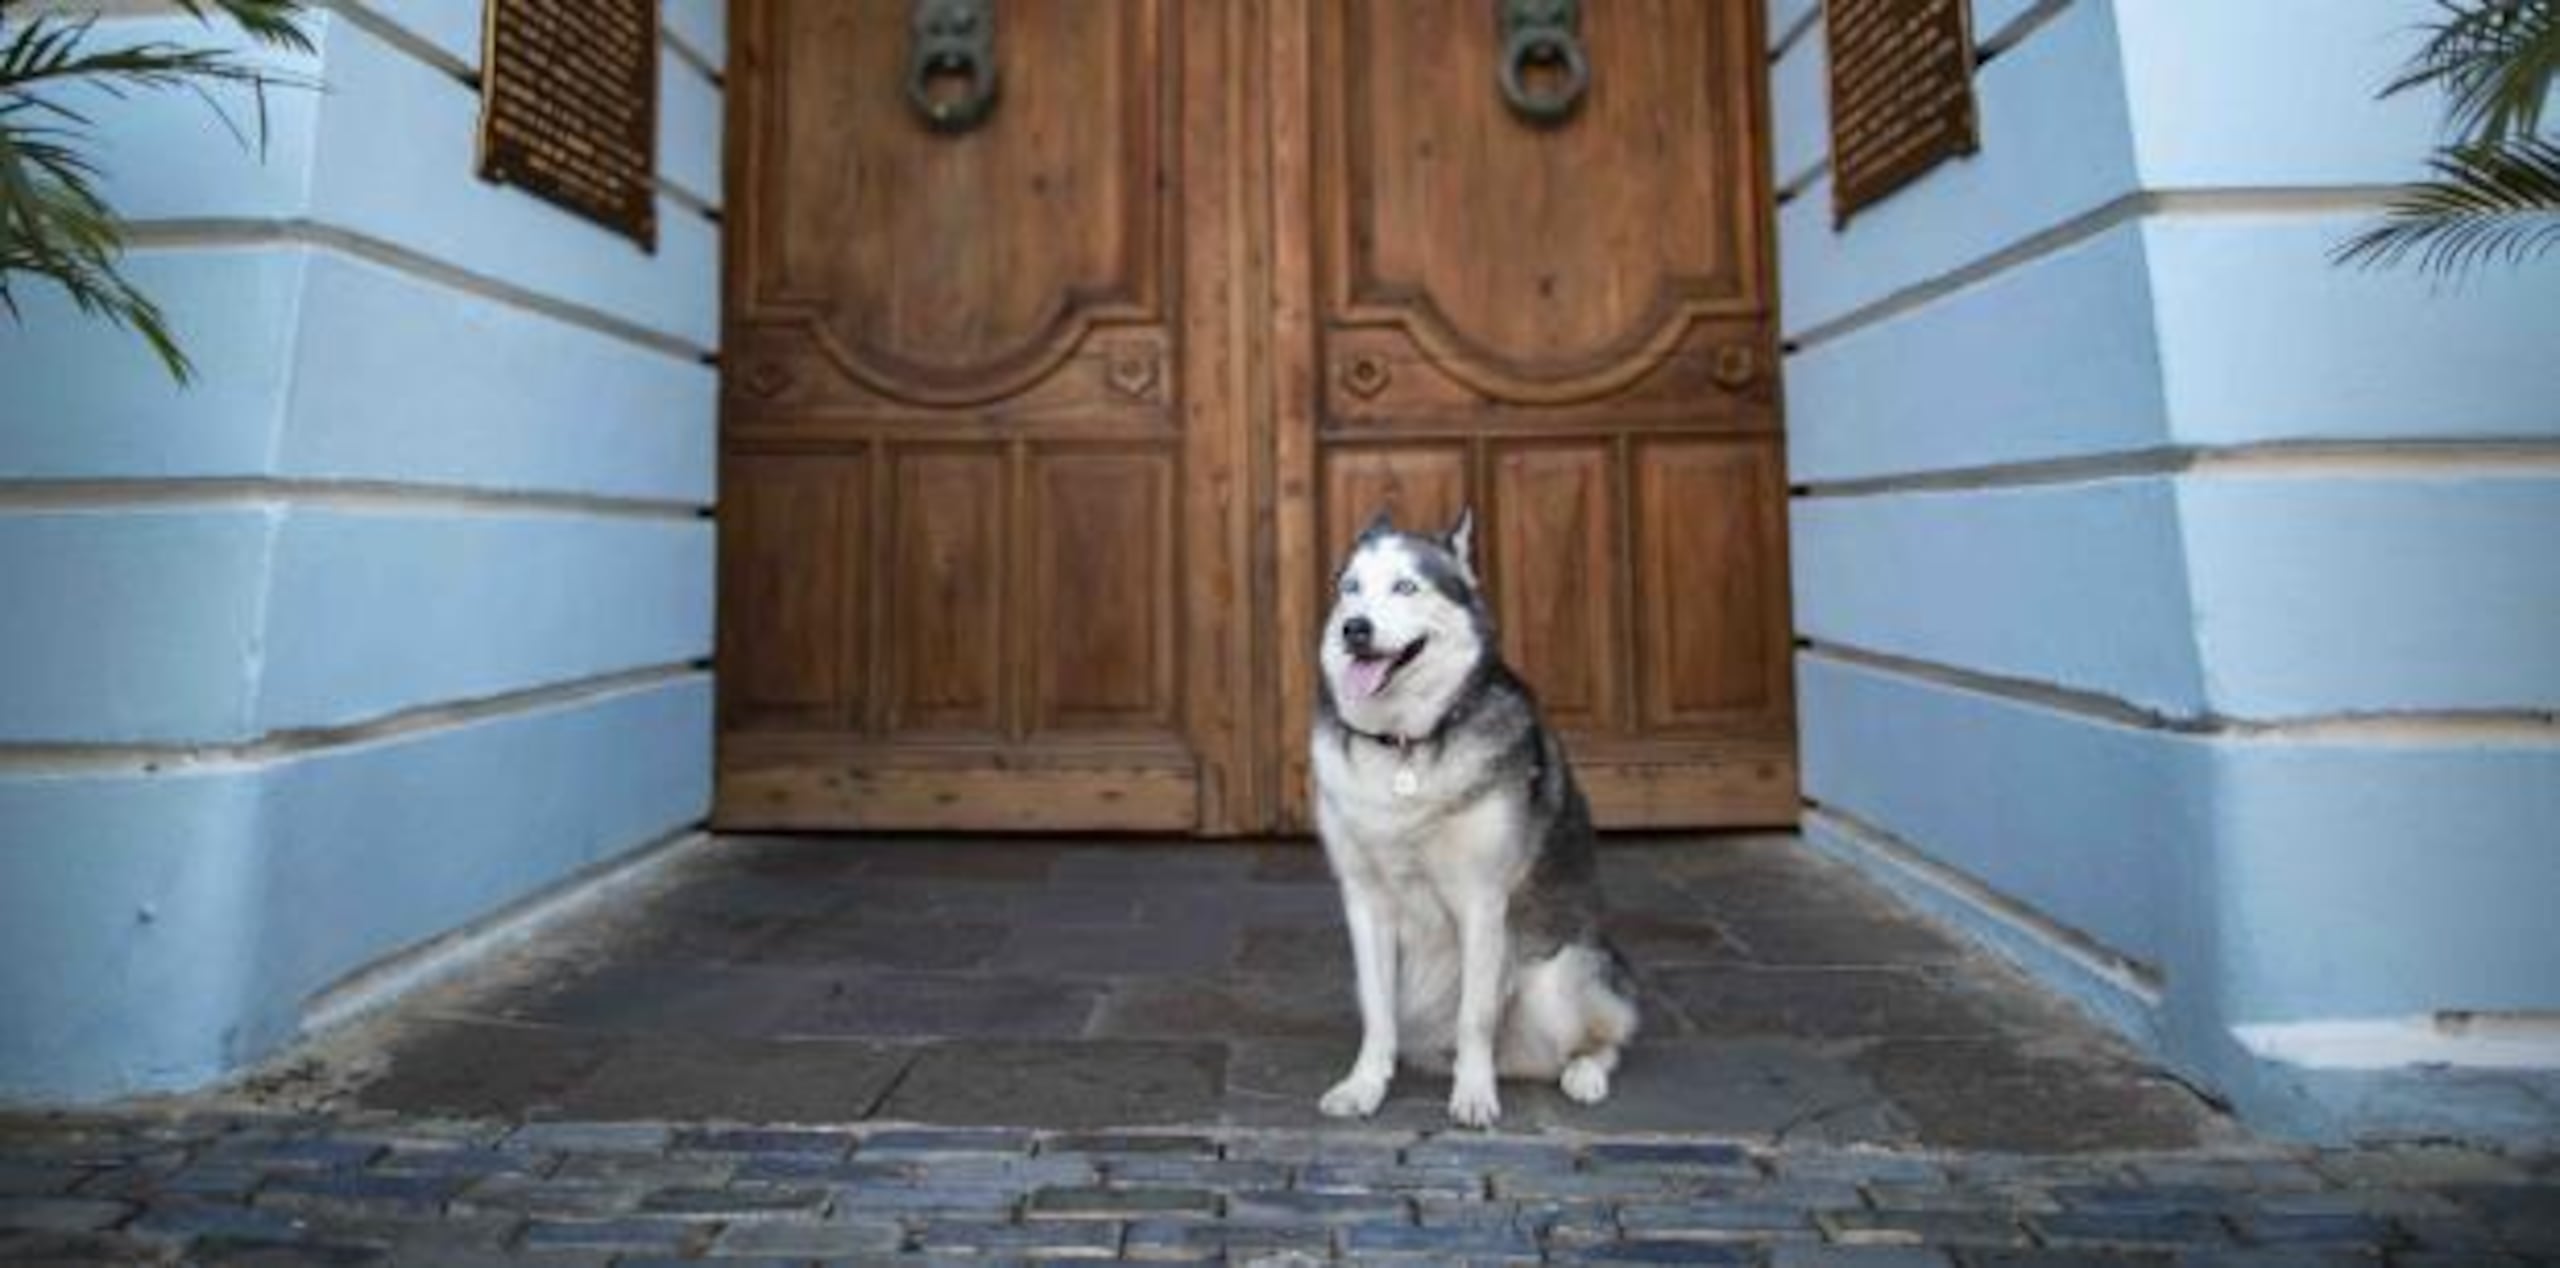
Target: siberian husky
point(1463, 847)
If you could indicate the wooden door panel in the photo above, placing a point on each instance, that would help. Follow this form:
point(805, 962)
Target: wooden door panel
point(1710, 578)
point(1103, 658)
point(803, 669)
point(946, 588)
point(1423, 486)
point(1569, 327)
point(1552, 559)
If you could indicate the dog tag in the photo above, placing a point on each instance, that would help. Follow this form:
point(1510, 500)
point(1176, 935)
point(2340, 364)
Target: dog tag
point(1407, 783)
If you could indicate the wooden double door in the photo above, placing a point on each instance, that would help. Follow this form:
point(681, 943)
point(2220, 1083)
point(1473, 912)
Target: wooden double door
point(1041, 436)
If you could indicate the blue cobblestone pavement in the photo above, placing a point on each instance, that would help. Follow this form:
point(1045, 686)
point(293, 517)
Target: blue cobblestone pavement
point(366, 1188)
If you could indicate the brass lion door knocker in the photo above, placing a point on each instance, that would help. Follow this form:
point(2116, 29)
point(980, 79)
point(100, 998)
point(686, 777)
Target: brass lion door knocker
point(952, 40)
point(1544, 71)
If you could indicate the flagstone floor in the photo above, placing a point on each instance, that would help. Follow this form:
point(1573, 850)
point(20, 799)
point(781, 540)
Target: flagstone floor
point(1117, 985)
point(792, 1050)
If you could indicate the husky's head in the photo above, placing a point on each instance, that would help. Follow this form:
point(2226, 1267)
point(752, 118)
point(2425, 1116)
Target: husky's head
point(1408, 627)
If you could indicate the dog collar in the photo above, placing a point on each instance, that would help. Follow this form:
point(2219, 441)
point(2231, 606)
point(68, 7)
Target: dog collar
point(1400, 743)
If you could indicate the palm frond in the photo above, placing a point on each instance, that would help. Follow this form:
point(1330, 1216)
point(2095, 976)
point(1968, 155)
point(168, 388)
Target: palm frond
point(55, 226)
point(2485, 202)
point(62, 233)
point(2495, 60)
point(277, 22)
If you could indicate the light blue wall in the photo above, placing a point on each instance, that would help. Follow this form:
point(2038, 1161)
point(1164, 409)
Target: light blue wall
point(399, 615)
point(2174, 607)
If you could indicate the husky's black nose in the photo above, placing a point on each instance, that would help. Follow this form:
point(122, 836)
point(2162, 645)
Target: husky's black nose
point(1358, 634)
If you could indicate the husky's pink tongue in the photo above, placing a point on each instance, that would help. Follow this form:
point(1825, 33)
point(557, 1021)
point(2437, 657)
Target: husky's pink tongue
point(1367, 675)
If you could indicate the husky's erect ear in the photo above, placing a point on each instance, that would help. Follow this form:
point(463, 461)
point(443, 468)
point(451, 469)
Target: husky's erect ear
point(1380, 524)
point(1461, 540)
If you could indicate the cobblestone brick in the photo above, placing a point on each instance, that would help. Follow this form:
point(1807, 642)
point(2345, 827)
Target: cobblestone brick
point(1130, 1144)
point(1634, 1251)
point(360, 1191)
point(1362, 1177)
point(2449, 1234)
point(829, 1240)
point(215, 1181)
point(1714, 1220)
point(763, 1141)
point(2420, 1166)
point(663, 1171)
point(1163, 1240)
point(1290, 1206)
point(181, 1221)
point(1894, 1195)
point(813, 1169)
point(629, 1233)
point(1220, 1173)
point(39, 1179)
point(1812, 1195)
point(2315, 1230)
point(1917, 1228)
point(1029, 1173)
point(590, 1137)
point(1726, 1160)
point(737, 1204)
point(925, 1200)
point(296, 1154)
point(75, 1250)
point(1631, 1184)
point(1570, 1220)
point(1793, 1256)
point(2261, 1175)
point(1038, 1239)
point(466, 1162)
point(2062, 1257)
point(1489, 1153)
point(115, 1184)
point(62, 1215)
point(1097, 1203)
point(2283, 1257)
point(947, 1141)
point(1995, 1170)
point(2397, 1203)
point(224, 1252)
point(1439, 1245)
point(548, 1197)
point(2138, 1199)
point(1308, 1149)
point(1588, 1226)
point(2131, 1228)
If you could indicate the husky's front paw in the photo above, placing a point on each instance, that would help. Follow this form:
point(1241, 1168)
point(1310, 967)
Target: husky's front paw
point(1358, 1095)
point(1586, 1080)
point(1474, 1103)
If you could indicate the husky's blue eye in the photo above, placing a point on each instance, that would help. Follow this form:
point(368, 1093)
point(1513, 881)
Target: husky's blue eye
point(1350, 585)
point(1405, 585)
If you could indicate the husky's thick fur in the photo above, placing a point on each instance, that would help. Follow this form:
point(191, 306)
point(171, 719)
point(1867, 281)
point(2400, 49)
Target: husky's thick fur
point(1463, 846)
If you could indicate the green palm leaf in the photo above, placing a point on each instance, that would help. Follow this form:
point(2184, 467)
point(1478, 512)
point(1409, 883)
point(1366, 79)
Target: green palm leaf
point(2495, 190)
point(2486, 202)
point(55, 227)
point(2495, 61)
